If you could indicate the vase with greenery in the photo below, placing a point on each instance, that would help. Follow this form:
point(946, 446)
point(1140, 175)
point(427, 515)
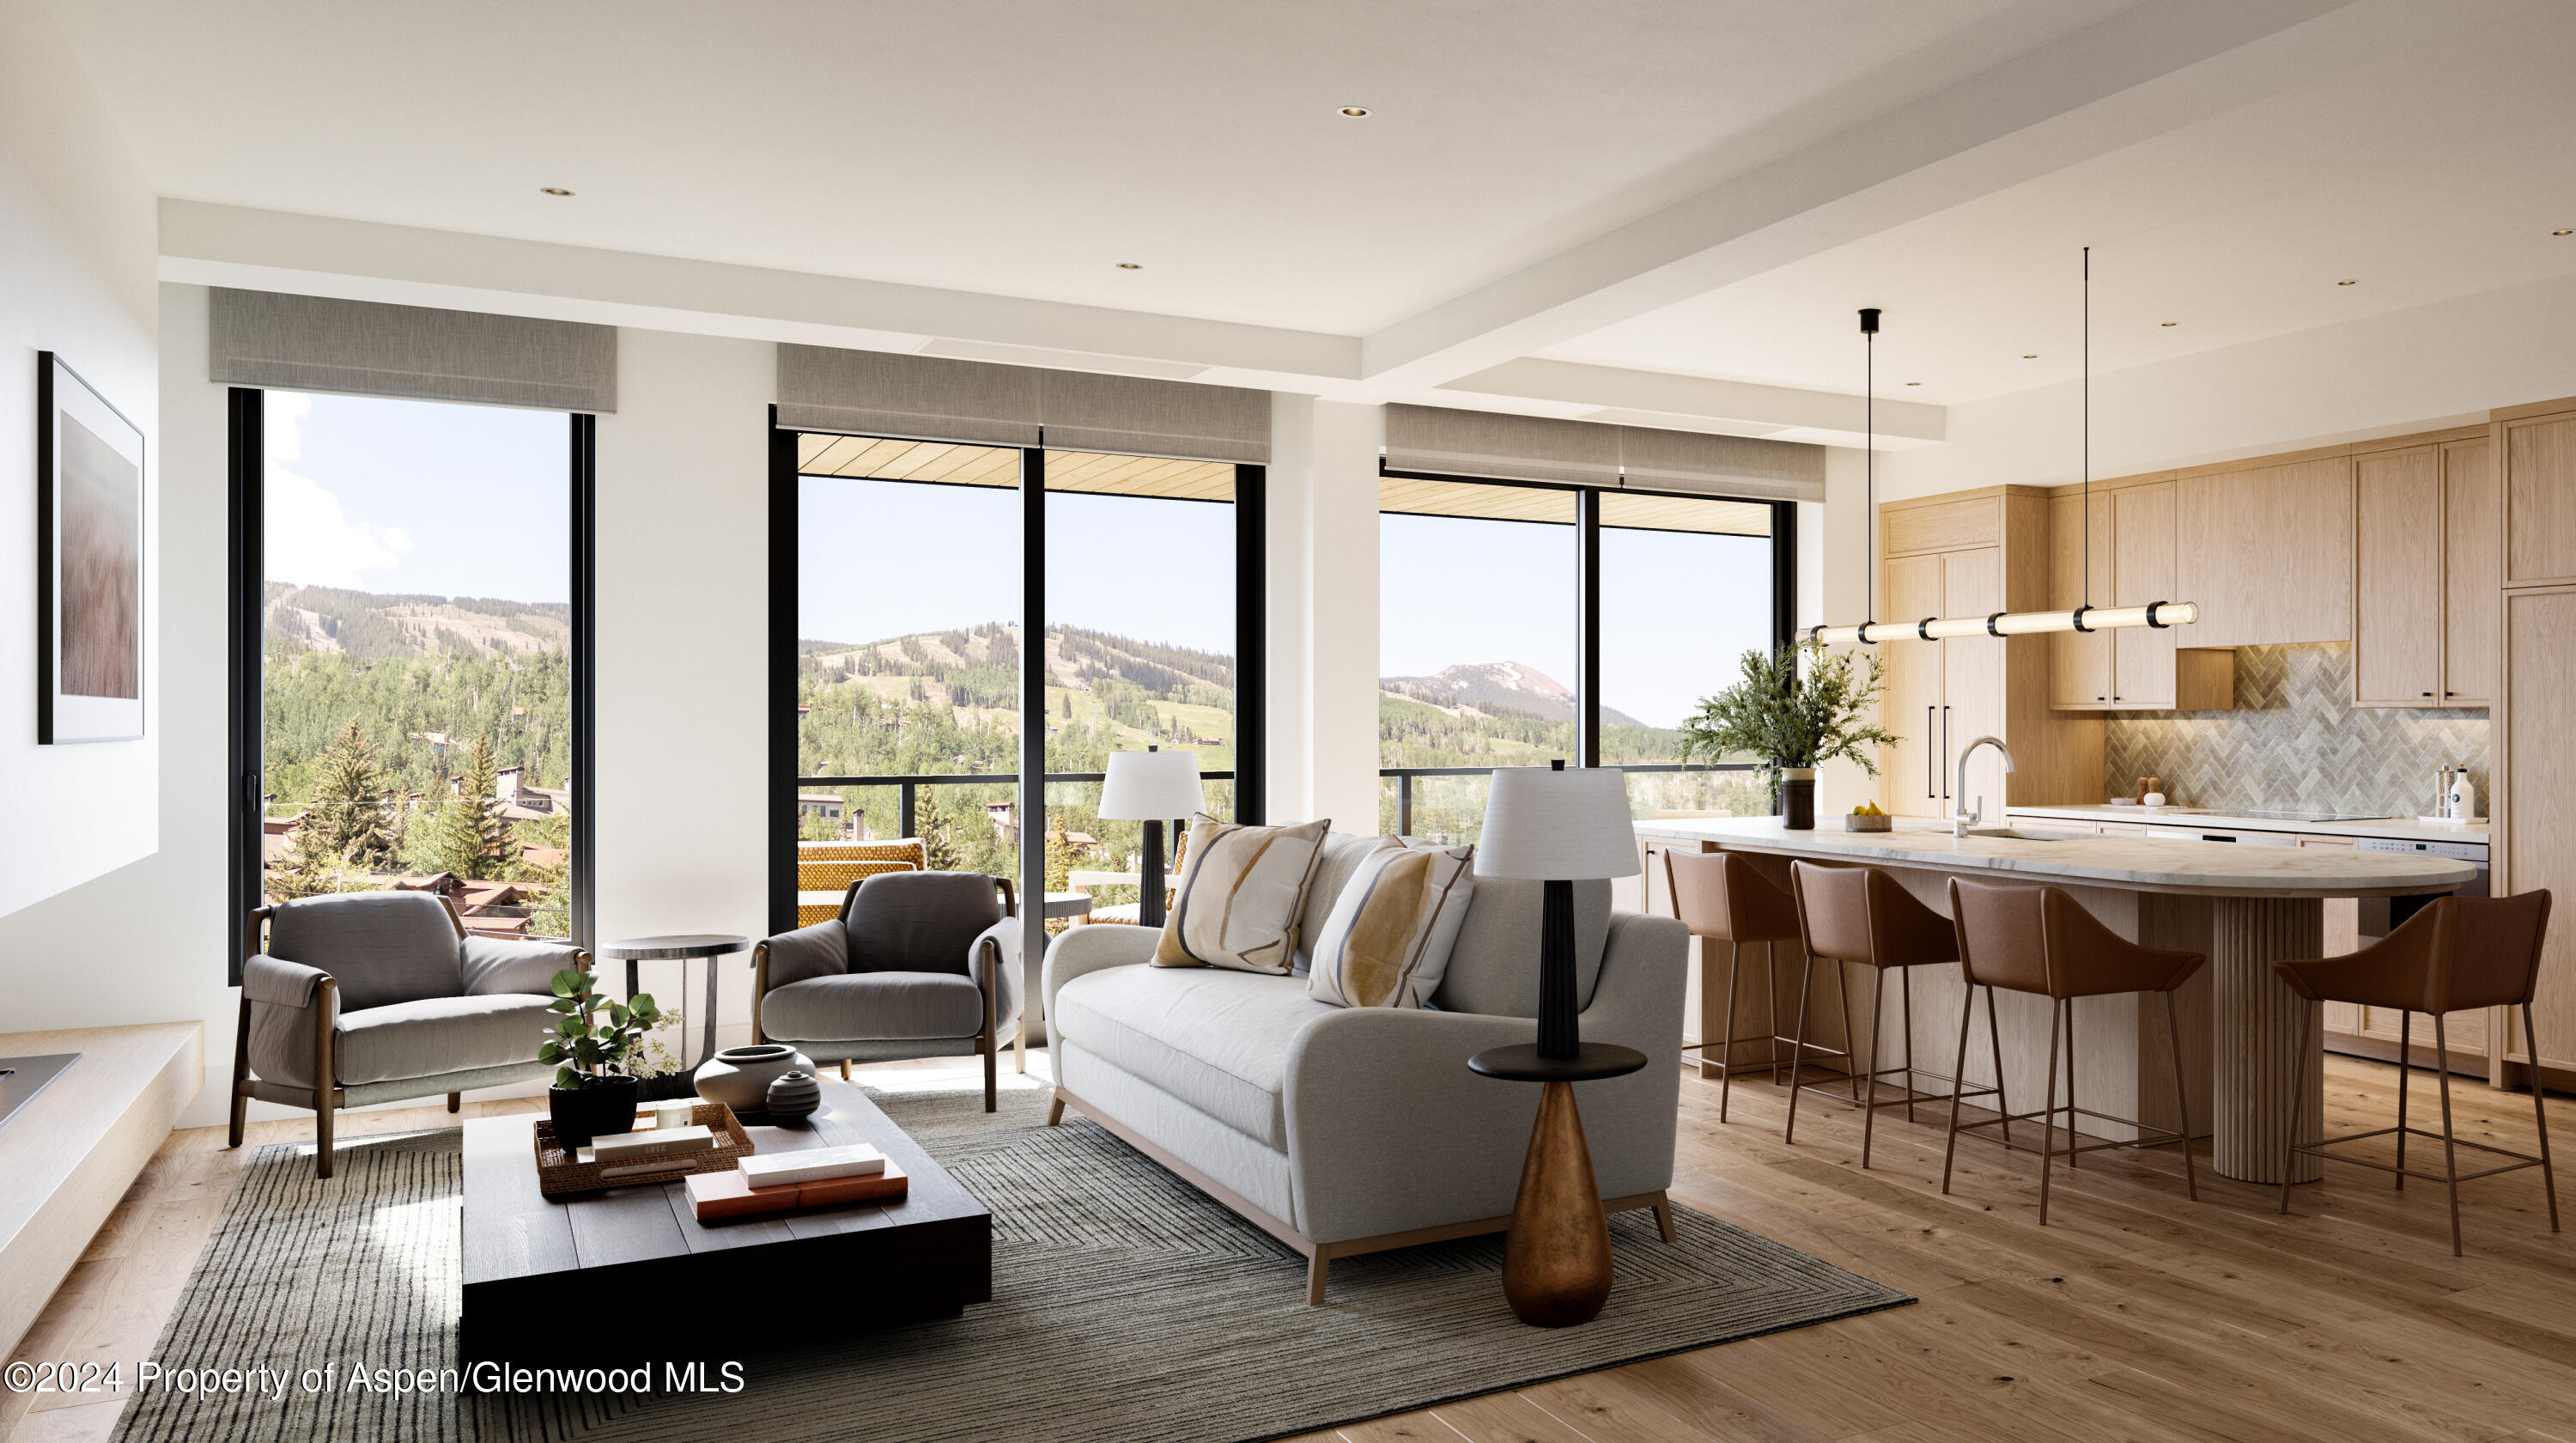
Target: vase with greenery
point(595, 1045)
point(1793, 710)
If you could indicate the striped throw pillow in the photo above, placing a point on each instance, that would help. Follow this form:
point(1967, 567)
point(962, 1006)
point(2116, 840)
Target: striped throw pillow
point(1388, 939)
point(1240, 893)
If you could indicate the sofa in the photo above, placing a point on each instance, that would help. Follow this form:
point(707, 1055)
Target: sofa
point(1351, 1130)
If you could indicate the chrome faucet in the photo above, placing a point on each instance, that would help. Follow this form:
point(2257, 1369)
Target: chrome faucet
point(1959, 825)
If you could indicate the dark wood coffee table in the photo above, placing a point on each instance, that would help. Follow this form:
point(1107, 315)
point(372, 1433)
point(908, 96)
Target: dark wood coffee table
point(645, 1277)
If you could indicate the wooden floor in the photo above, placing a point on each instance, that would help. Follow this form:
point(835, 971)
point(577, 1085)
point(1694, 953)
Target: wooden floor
point(2134, 1315)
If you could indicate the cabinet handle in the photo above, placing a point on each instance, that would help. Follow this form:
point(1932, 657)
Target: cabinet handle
point(2428, 693)
point(1931, 758)
point(1945, 747)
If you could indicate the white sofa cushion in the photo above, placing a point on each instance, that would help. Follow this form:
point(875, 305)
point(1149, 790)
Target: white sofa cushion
point(1387, 941)
point(1216, 1039)
point(1241, 895)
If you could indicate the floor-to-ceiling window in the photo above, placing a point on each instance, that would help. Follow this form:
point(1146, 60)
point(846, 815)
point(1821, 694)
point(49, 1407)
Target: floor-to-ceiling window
point(1499, 646)
point(408, 597)
point(909, 605)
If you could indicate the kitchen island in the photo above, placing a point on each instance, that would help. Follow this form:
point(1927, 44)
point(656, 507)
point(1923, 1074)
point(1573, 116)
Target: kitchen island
point(2243, 1032)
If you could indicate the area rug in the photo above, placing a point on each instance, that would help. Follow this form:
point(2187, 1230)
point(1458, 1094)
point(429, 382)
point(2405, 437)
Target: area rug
point(1126, 1305)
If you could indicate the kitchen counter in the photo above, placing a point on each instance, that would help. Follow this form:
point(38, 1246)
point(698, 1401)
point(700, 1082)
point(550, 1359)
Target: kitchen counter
point(2178, 867)
point(2402, 828)
point(2243, 1036)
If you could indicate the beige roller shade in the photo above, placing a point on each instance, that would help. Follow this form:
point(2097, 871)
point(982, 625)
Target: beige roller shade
point(934, 398)
point(1585, 453)
point(368, 348)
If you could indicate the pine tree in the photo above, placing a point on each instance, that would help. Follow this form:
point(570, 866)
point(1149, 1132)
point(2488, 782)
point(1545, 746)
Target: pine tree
point(346, 821)
point(473, 837)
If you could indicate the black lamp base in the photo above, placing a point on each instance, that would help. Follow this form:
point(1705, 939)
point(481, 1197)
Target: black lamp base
point(1149, 908)
point(1560, 1035)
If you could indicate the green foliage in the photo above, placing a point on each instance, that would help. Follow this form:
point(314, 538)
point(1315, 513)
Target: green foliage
point(347, 818)
point(583, 1049)
point(1783, 714)
point(473, 837)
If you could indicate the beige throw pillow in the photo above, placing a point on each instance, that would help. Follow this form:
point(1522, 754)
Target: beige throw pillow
point(1388, 939)
point(1239, 897)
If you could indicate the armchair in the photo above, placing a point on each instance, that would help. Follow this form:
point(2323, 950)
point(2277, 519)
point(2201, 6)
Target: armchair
point(917, 964)
point(365, 997)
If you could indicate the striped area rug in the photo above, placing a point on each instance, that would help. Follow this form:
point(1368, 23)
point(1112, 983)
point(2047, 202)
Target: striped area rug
point(1126, 1306)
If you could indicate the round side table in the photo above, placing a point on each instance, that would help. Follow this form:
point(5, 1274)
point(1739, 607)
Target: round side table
point(679, 946)
point(1556, 1259)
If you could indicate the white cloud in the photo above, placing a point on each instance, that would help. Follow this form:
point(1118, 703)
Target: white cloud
point(284, 425)
point(312, 541)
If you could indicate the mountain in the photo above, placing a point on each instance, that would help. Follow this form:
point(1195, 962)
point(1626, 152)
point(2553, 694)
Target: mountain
point(366, 626)
point(1077, 659)
point(1497, 689)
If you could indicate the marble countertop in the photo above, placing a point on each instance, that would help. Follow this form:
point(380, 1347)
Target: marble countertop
point(2134, 863)
point(2404, 828)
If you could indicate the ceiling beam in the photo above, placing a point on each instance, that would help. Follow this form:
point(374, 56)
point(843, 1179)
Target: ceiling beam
point(1687, 398)
point(2146, 71)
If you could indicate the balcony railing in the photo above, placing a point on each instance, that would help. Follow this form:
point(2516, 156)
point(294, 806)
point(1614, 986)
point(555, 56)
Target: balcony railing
point(907, 785)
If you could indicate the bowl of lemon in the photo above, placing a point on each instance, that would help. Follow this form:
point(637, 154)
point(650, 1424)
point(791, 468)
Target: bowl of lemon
point(1868, 818)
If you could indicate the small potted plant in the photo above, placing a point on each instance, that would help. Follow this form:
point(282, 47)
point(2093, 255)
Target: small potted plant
point(594, 1090)
point(1793, 709)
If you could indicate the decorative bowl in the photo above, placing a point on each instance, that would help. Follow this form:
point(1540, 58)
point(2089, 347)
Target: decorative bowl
point(739, 1077)
point(1863, 822)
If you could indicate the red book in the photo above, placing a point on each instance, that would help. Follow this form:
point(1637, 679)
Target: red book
point(714, 1196)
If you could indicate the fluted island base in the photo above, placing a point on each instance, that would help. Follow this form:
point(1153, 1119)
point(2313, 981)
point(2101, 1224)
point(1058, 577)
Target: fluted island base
point(2265, 1036)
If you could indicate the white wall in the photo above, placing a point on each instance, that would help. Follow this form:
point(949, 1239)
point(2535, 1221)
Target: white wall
point(1323, 611)
point(1833, 547)
point(76, 277)
point(2419, 369)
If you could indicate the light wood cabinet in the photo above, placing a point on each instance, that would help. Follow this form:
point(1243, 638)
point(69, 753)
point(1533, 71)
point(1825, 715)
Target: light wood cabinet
point(2133, 534)
point(2538, 456)
point(1941, 695)
point(2424, 546)
point(2534, 834)
point(2267, 552)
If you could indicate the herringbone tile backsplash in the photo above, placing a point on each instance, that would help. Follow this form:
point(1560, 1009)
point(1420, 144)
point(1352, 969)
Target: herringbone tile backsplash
point(2296, 743)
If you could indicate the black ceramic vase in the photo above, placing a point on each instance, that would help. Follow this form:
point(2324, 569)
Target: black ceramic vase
point(1798, 798)
point(599, 1107)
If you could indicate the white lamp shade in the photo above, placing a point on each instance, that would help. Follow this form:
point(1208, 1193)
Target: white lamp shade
point(1550, 826)
point(1151, 786)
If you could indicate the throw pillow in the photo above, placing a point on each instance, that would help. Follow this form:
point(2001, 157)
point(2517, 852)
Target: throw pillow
point(1388, 939)
point(1241, 890)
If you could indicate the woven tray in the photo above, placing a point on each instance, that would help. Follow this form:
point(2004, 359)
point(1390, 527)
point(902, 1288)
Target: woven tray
point(560, 1173)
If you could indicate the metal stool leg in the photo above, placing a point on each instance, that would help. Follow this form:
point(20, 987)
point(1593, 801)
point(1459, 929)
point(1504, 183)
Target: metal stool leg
point(2405, 1077)
point(1725, 1049)
point(2540, 1112)
point(2290, 1129)
point(2450, 1152)
point(1994, 1036)
point(2073, 1154)
point(1959, 1076)
point(1869, 1114)
point(1771, 1002)
point(2048, 1114)
point(1798, 1050)
point(1851, 1037)
point(1905, 989)
point(2182, 1097)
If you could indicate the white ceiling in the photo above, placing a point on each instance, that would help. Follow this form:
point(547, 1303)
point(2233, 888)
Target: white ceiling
point(1025, 147)
point(2435, 173)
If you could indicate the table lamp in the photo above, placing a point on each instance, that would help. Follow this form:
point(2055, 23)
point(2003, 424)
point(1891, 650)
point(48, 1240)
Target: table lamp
point(1556, 827)
point(1147, 787)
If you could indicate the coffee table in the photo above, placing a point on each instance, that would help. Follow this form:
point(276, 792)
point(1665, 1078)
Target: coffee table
point(630, 1273)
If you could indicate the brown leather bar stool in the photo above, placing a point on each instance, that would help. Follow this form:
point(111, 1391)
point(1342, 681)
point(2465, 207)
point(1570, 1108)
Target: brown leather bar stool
point(1719, 896)
point(2456, 954)
point(2040, 940)
point(1862, 916)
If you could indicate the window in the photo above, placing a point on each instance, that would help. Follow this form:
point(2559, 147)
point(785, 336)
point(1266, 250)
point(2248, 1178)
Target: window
point(411, 703)
point(1498, 649)
point(910, 587)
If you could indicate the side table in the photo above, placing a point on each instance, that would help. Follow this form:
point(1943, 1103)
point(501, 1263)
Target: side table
point(1556, 1258)
point(679, 946)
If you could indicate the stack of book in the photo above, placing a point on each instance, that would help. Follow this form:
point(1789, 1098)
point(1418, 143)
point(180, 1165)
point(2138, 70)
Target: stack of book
point(628, 1154)
point(785, 1182)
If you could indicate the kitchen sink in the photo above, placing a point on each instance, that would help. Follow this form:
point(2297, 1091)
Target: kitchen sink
point(2029, 834)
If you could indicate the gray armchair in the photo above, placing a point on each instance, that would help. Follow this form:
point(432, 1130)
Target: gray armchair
point(918, 964)
point(383, 996)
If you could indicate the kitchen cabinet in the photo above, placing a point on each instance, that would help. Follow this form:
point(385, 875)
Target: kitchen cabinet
point(2534, 833)
point(2424, 576)
point(2538, 455)
point(2132, 538)
point(1973, 555)
point(2266, 550)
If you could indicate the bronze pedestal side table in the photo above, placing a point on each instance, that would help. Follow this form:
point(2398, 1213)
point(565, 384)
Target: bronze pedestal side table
point(1556, 1258)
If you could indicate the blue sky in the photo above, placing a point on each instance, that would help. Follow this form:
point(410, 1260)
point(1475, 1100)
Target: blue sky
point(419, 496)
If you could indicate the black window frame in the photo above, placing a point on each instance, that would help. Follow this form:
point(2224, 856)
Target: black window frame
point(1251, 656)
point(246, 467)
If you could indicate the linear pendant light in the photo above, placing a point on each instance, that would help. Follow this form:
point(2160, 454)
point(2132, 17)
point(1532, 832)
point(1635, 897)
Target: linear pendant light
point(2087, 618)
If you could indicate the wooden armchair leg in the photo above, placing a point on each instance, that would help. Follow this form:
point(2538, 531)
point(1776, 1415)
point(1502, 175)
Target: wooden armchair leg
point(845, 1069)
point(241, 1077)
point(992, 1090)
point(455, 1102)
point(322, 1137)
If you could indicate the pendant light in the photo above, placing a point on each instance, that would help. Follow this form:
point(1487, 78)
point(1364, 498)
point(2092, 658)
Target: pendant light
point(2087, 617)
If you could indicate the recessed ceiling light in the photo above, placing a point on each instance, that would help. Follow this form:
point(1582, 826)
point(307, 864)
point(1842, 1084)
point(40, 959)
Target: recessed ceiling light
point(2033, 356)
point(1129, 266)
point(1355, 111)
point(555, 190)
point(2347, 283)
point(2169, 324)
point(1914, 383)
point(2563, 232)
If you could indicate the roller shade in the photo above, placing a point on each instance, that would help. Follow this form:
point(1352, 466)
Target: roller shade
point(934, 398)
point(368, 348)
point(1542, 448)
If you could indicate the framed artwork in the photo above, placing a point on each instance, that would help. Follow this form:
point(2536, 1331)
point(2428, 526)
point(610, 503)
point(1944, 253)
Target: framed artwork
point(89, 562)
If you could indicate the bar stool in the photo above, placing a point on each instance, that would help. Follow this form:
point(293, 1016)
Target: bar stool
point(1719, 896)
point(1861, 915)
point(2040, 940)
point(2456, 954)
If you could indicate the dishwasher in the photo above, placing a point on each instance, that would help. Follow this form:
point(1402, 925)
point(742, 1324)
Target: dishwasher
point(2382, 915)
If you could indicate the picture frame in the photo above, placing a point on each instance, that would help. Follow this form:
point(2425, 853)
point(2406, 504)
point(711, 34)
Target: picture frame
point(90, 497)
